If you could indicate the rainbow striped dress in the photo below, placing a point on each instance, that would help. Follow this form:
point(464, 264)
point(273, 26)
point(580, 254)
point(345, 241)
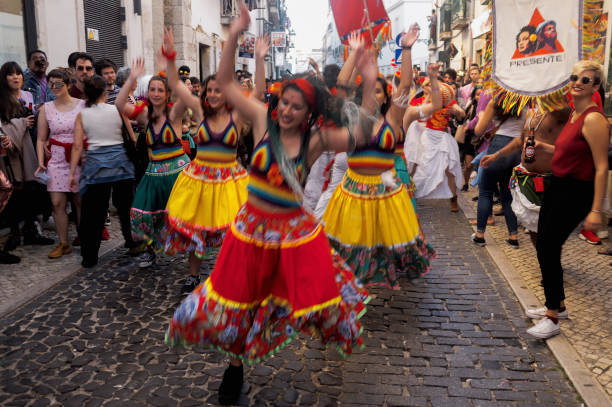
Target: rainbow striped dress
point(372, 224)
point(166, 161)
point(207, 194)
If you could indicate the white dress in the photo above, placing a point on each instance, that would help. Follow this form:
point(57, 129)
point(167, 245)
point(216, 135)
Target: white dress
point(337, 173)
point(316, 180)
point(433, 151)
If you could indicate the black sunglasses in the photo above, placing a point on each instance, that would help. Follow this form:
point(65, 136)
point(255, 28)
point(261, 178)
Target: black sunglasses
point(585, 80)
point(84, 68)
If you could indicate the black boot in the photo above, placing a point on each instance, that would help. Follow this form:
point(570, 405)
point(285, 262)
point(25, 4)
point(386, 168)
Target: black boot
point(32, 237)
point(231, 386)
point(13, 240)
point(7, 258)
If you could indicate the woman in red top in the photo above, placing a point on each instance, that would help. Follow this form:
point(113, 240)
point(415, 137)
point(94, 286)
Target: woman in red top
point(577, 189)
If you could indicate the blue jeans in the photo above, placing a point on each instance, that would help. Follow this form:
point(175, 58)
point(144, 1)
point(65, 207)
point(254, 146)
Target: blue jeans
point(498, 174)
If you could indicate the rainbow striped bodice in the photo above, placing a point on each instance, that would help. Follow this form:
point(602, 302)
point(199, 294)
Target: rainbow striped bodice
point(399, 142)
point(377, 153)
point(266, 181)
point(217, 147)
point(164, 145)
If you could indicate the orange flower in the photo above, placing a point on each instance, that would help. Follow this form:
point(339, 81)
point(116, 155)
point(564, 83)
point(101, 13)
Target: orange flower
point(274, 175)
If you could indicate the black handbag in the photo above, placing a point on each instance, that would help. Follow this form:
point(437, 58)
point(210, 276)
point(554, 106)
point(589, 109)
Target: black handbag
point(128, 139)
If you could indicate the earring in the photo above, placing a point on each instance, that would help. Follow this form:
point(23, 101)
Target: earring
point(206, 104)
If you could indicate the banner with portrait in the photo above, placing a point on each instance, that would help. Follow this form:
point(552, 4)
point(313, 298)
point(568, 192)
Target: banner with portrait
point(246, 47)
point(535, 45)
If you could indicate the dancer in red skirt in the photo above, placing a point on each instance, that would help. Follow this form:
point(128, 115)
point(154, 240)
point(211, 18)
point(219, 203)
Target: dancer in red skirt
point(276, 274)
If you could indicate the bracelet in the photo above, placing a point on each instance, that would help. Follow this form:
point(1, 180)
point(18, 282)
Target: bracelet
point(170, 56)
point(406, 47)
point(596, 210)
point(435, 90)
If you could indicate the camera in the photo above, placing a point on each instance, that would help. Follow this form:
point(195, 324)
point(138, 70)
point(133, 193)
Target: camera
point(40, 63)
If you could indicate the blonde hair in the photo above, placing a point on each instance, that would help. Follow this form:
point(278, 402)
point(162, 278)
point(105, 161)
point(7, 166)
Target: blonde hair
point(592, 66)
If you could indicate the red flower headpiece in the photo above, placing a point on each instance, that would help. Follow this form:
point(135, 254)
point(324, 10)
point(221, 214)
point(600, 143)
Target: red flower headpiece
point(162, 74)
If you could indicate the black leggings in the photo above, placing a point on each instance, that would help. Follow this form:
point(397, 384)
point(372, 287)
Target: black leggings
point(566, 203)
point(93, 215)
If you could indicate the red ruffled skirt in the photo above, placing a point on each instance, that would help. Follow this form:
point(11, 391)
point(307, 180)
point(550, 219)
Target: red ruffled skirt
point(275, 275)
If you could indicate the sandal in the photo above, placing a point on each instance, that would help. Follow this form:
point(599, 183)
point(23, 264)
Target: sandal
point(606, 251)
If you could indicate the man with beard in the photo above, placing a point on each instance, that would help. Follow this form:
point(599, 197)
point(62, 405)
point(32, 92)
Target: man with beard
point(83, 69)
point(547, 36)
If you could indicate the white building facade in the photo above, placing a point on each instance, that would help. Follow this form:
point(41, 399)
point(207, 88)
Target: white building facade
point(123, 30)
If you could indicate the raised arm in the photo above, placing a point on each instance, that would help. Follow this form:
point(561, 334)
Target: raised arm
point(262, 46)
point(399, 101)
point(250, 108)
point(359, 121)
point(344, 81)
point(179, 89)
point(421, 112)
point(129, 110)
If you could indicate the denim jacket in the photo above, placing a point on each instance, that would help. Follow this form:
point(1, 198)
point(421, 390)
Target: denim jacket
point(33, 86)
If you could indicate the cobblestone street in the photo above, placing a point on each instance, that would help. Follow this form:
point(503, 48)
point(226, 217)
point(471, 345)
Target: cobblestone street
point(454, 338)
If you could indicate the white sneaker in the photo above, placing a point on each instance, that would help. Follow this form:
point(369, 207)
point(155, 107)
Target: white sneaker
point(545, 328)
point(539, 313)
point(602, 234)
point(146, 259)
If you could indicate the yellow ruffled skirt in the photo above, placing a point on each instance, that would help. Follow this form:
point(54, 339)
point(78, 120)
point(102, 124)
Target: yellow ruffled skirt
point(204, 202)
point(375, 230)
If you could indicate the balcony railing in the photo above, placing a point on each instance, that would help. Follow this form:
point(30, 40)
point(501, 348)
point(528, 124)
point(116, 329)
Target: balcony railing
point(446, 31)
point(459, 13)
point(229, 10)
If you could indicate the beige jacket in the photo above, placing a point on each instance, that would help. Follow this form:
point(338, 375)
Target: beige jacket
point(22, 156)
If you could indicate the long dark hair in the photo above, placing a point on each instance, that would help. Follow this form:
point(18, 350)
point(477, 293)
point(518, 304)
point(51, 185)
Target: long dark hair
point(150, 112)
point(386, 105)
point(326, 108)
point(94, 88)
point(10, 106)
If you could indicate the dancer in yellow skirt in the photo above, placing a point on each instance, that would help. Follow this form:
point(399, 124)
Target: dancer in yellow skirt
point(209, 192)
point(276, 274)
point(370, 219)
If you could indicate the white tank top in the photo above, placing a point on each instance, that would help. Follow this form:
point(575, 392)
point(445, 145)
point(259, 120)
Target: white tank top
point(513, 126)
point(102, 125)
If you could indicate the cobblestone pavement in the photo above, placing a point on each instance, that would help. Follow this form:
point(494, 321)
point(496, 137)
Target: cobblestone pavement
point(37, 272)
point(454, 338)
point(588, 287)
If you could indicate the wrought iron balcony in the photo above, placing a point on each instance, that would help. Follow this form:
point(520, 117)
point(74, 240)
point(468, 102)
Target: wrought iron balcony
point(229, 10)
point(459, 14)
point(446, 30)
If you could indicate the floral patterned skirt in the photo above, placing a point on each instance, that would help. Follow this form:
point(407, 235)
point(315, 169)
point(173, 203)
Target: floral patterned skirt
point(275, 275)
point(375, 230)
point(148, 214)
point(204, 201)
